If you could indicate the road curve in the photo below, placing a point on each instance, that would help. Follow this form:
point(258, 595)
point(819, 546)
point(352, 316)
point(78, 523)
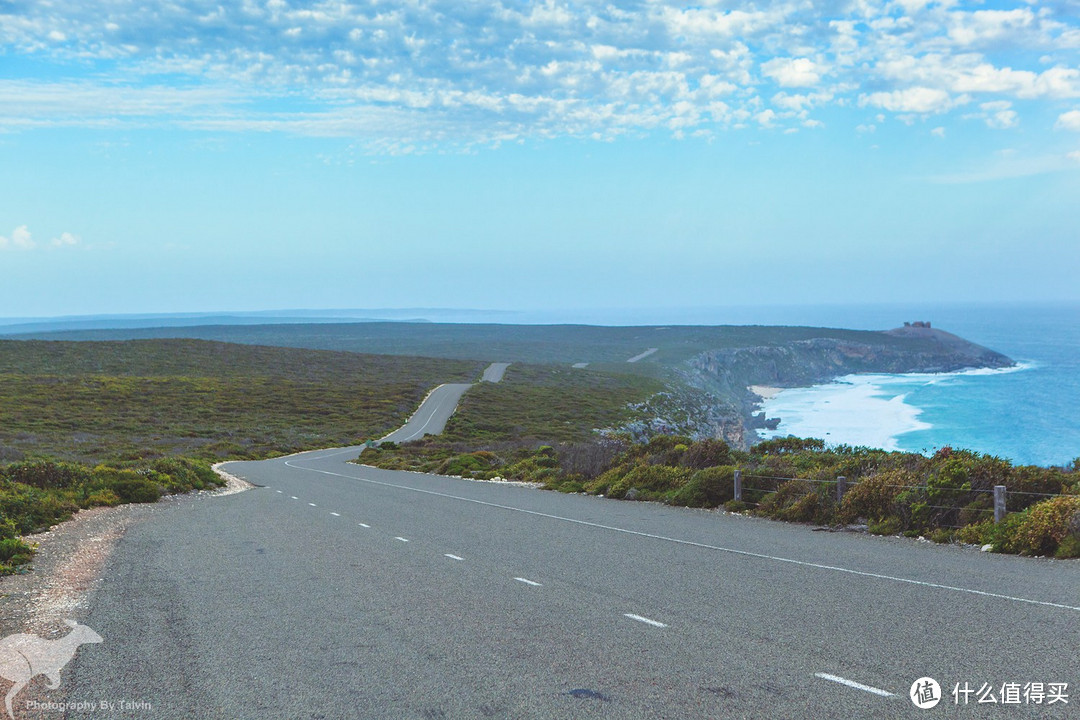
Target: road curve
point(336, 590)
point(494, 372)
point(431, 417)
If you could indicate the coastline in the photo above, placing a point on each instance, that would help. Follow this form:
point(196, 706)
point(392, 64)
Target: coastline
point(912, 412)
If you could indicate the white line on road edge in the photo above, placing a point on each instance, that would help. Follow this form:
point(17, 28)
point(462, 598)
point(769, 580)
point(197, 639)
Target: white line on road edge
point(363, 525)
point(528, 582)
point(336, 514)
point(853, 684)
point(691, 543)
point(430, 418)
point(645, 620)
point(453, 557)
point(402, 539)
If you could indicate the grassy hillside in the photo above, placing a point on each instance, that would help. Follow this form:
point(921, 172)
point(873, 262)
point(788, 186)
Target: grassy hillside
point(533, 405)
point(97, 401)
point(562, 344)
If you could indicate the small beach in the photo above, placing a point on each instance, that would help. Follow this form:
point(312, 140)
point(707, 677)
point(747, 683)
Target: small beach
point(854, 410)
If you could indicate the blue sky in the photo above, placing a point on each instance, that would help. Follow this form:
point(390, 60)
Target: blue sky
point(191, 155)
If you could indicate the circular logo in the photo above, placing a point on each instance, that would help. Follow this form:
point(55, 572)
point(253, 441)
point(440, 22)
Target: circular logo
point(925, 693)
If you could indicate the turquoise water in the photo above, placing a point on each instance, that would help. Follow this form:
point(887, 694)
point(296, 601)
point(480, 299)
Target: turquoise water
point(1030, 416)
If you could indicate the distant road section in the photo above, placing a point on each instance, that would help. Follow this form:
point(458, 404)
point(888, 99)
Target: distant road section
point(430, 418)
point(643, 355)
point(494, 372)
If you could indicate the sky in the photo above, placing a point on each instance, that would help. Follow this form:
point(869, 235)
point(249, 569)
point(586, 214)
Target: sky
point(261, 154)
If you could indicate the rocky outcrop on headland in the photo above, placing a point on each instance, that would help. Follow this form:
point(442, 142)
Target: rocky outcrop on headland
point(918, 348)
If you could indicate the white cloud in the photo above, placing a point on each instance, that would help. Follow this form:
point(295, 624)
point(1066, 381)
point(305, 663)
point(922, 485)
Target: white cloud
point(66, 239)
point(938, 132)
point(1068, 121)
point(1075, 155)
point(921, 100)
point(20, 240)
point(793, 72)
point(766, 118)
point(425, 73)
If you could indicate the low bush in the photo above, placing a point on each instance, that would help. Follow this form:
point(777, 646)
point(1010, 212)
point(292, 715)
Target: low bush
point(706, 488)
point(650, 481)
point(798, 501)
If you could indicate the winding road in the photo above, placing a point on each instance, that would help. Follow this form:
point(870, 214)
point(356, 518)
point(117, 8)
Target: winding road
point(335, 590)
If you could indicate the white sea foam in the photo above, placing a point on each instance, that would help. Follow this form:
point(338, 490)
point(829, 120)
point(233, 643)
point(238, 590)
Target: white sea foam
point(868, 410)
point(854, 410)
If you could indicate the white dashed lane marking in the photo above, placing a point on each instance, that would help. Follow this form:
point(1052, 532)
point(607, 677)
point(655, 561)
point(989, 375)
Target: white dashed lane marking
point(336, 514)
point(528, 582)
point(402, 539)
point(313, 505)
point(853, 684)
point(453, 557)
point(645, 620)
point(363, 525)
point(294, 497)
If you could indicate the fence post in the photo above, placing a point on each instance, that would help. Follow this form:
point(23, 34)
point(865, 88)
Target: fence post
point(841, 488)
point(738, 485)
point(999, 503)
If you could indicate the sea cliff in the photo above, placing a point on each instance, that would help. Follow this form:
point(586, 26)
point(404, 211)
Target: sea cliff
point(726, 375)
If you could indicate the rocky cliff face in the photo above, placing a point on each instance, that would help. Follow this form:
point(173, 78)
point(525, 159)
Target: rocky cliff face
point(726, 373)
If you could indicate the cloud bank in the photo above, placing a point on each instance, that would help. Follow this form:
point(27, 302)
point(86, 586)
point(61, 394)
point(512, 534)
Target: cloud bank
point(22, 239)
point(414, 74)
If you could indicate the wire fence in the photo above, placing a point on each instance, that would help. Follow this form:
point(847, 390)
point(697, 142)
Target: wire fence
point(751, 489)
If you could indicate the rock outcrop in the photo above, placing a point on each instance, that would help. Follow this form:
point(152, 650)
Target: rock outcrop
point(727, 373)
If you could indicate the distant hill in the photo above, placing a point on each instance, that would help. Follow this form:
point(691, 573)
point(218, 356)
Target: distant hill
point(708, 368)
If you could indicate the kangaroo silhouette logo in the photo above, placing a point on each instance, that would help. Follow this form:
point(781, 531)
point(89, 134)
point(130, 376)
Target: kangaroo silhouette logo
point(23, 656)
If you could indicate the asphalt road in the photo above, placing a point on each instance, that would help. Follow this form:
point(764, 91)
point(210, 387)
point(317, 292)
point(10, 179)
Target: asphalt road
point(430, 418)
point(495, 372)
point(335, 590)
point(341, 591)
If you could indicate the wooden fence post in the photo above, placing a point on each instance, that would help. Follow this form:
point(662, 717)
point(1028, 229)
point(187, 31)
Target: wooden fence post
point(738, 485)
point(999, 503)
point(841, 488)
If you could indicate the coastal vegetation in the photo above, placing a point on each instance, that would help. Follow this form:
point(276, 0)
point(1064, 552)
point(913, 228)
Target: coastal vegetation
point(102, 423)
point(95, 402)
point(946, 497)
point(36, 494)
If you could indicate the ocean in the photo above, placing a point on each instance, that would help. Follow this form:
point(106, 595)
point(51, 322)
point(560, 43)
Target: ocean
point(1029, 414)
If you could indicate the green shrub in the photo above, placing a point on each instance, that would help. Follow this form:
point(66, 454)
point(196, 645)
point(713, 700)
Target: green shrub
point(1045, 525)
point(710, 487)
point(875, 497)
point(468, 464)
point(650, 480)
point(128, 485)
point(33, 509)
point(978, 533)
point(707, 453)
point(798, 501)
point(101, 497)
point(885, 526)
point(14, 551)
point(942, 535)
point(603, 483)
point(46, 474)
